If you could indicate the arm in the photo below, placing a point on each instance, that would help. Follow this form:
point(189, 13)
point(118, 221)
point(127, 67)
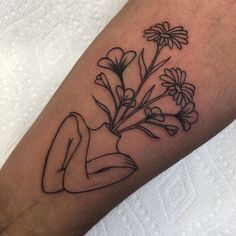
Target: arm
point(131, 107)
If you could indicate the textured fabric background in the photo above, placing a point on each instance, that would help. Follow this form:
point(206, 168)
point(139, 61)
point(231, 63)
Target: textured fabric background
point(39, 43)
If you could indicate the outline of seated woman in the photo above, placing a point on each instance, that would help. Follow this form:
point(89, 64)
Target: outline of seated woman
point(75, 164)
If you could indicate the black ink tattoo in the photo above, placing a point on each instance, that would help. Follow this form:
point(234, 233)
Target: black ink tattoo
point(75, 163)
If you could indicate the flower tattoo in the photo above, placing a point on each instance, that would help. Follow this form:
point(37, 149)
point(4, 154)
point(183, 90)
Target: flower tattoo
point(82, 159)
point(102, 80)
point(171, 129)
point(154, 113)
point(174, 80)
point(163, 35)
point(187, 116)
point(125, 96)
point(117, 60)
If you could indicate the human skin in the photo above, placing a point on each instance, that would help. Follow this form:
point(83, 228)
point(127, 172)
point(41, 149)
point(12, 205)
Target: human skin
point(210, 62)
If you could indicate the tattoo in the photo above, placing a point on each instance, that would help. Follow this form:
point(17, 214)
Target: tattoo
point(75, 163)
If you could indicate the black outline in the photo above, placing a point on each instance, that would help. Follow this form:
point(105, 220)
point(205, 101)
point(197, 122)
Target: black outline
point(126, 105)
point(130, 164)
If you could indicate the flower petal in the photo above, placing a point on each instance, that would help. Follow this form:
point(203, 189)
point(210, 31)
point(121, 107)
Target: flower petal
point(153, 37)
point(177, 43)
point(105, 63)
point(169, 74)
point(170, 85)
point(172, 130)
point(180, 98)
point(176, 97)
point(189, 86)
point(172, 93)
point(156, 111)
point(127, 58)
point(160, 27)
point(166, 41)
point(115, 55)
point(161, 41)
point(174, 74)
point(184, 101)
point(178, 32)
point(187, 96)
point(186, 125)
point(181, 40)
point(156, 29)
point(148, 111)
point(150, 31)
point(188, 108)
point(179, 74)
point(129, 93)
point(183, 77)
point(170, 43)
point(160, 118)
point(127, 103)
point(167, 79)
point(188, 92)
point(102, 80)
point(166, 26)
point(177, 28)
point(192, 117)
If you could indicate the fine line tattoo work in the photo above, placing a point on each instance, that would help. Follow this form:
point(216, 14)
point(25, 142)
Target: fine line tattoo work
point(75, 163)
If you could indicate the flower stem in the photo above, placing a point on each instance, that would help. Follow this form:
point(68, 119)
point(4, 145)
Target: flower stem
point(156, 124)
point(132, 126)
point(153, 61)
point(122, 82)
point(158, 50)
point(168, 114)
point(156, 99)
point(116, 105)
point(116, 114)
point(139, 108)
point(113, 97)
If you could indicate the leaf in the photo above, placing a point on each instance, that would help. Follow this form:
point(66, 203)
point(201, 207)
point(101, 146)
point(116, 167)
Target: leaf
point(148, 112)
point(102, 80)
point(142, 65)
point(127, 103)
point(120, 92)
point(105, 109)
point(147, 96)
point(159, 65)
point(128, 96)
point(147, 131)
point(171, 129)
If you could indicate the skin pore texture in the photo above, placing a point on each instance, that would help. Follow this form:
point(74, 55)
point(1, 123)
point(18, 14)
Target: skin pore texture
point(158, 82)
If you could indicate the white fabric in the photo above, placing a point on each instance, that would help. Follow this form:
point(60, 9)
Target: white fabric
point(39, 43)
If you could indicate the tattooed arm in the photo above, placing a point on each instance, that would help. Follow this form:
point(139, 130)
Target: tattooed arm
point(157, 83)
